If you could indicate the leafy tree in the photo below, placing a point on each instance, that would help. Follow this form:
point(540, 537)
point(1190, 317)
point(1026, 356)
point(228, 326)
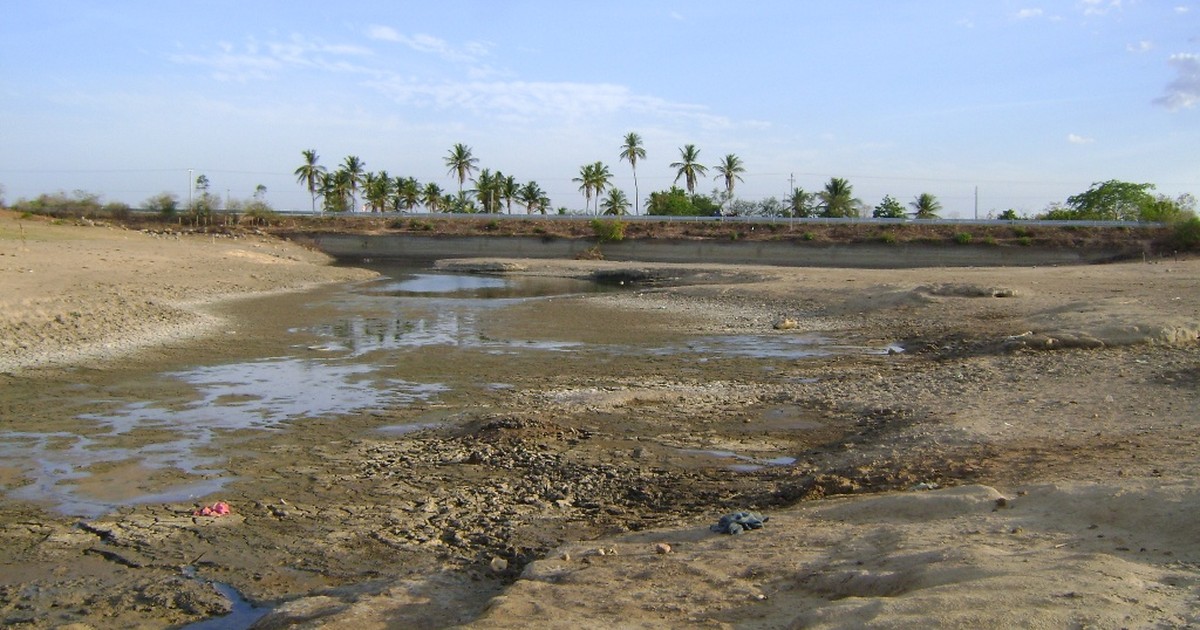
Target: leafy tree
point(461, 163)
point(889, 208)
point(377, 189)
point(509, 189)
point(802, 204)
point(431, 197)
point(310, 174)
point(616, 202)
point(689, 167)
point(165, 203)
point(1163, 209)
point(260, 192)
point(676, 202)
point(1112, 200)
point(406, 193)
point(730, 169)
point(632, 151)
point(354, 170)
point(837, 199)
point(925, 206)
point(1009, 215)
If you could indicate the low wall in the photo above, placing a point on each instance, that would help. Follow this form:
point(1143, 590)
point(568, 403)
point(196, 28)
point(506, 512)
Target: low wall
point(357, 247)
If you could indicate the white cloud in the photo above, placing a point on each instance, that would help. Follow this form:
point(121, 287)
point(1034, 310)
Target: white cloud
point(1140, 47)
point(1024, 14)
point(1184, 91)
point(1078, 139)
point(429, 44)
point(1182, 9)
point(252, 61)
point(1099, 7)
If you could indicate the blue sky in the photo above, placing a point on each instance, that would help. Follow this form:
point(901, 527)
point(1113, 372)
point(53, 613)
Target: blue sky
point(1029, 101)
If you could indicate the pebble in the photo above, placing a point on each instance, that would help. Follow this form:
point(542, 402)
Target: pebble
point(662, 548)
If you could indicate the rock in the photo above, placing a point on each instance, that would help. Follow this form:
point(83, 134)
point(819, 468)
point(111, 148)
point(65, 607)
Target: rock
point(498, 564)
point(662, 548)
point(786, 323)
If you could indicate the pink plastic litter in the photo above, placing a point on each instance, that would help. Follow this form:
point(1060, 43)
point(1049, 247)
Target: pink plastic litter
point(220, 508)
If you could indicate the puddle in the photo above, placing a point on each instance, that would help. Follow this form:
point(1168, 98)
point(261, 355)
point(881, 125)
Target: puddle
point(257, 395)
point(243, 614)
point(451, 285)
point(737, 462)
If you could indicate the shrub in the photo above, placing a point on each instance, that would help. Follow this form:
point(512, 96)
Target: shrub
point(989, 240)
point(808, 236)
point(1021, 230)
point(608, 230)
point(962, 238)
point(888, 237)
point(1025, 241)
point(1187, 234)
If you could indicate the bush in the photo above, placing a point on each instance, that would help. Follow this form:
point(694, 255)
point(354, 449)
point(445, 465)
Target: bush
point(807, 236)
point(608, 230)
point(1187, 234)
point(888, 237)
point(1025, 241)
point(962, 238)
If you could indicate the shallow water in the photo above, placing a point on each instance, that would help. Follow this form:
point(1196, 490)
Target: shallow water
point(371, 348)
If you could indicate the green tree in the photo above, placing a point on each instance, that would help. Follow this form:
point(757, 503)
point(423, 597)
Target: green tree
point(688, 167)
point(165, 203)
point(1009, 215)
point(487, 190)
point(377, 190)
point(1112, 200)
point(509, 189)
point(616, 202)
point(310, 174)
point(837, 199)
point(631, 152)
point(461, 163)
point(889, 208)
point(407, 193)
point(593, 179)
point(925, 206)
point(1164, 209)
point(532, 197)
point(431, 197)
point(354, 169)
point(802, 204)
point(730, 170)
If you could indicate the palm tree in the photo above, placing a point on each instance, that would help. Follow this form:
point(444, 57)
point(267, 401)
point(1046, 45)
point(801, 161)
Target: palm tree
point(532, 197)
point(335, 188)
point(509, 189)
point(616, 202)
point(461, 163)
point(408, 193)
point(587, 176)
point(730, 169)
point(431, 196)
point(309, 174)
point(487, 189)
point(353, 167)
point(601, 179)
point(688, 167)
point(837, 199)
point(632, 151)
point(377, 188)
point(926, 206)
point(800, 203)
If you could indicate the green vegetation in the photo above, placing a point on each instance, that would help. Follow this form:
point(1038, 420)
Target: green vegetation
point(677, 202)
point(887, 237)
point(632, 151)
point(837, 199)
point(963, 238)
point(608, 230)
point(925, 206)
point(889, 208)
point(689, 167)
point(1187, 234)
point(78, 205)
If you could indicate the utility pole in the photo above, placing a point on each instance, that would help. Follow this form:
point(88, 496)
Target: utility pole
point(977, 203)
point(191, 186)
point(791, 183)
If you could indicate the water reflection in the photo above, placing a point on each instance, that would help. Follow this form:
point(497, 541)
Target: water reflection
point(253, 395)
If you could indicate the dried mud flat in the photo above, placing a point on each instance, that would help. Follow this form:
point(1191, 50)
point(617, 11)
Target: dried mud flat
point(1029, 459)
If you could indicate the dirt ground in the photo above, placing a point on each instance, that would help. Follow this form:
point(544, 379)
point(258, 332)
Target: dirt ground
point(1009, 446)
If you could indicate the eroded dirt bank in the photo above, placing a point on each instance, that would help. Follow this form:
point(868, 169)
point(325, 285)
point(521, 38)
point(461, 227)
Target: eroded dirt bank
point(1053, 409)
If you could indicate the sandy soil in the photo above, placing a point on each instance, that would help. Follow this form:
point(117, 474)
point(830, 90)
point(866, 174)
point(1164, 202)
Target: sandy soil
point(1026, 456)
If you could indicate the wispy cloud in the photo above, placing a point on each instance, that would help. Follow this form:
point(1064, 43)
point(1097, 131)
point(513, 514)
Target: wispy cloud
point(1098, 7)
point(1025, 14)
point(253, 60)
point(1078, 139)
point(429, 44)
point(1184, 91)
point(1140, 47)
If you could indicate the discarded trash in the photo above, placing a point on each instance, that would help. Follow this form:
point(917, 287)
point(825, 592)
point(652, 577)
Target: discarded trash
point(220, 508)
point(739, 522)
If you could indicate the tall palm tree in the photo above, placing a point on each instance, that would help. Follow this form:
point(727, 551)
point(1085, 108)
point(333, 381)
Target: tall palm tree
point(587, 177)
point(431, 196)
point(377, 188)
point(354, 169)
point(730, 169)
point(926, 206)
point(616, 202)
point(837, 199)
point(461, 163)
point(601, 179)
point(689, 167)
point(408, 193)
point(632, 151)
point(509, 189)
point(309, 174)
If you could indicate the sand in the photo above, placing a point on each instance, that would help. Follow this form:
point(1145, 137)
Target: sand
point(1064, 399)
